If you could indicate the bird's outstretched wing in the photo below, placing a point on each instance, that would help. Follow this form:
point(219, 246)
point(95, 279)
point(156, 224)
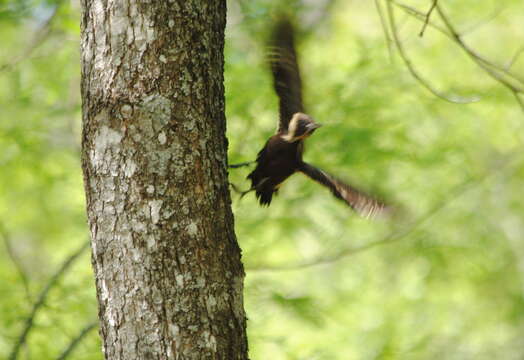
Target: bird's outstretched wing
point(359, 201)
point(286, 76)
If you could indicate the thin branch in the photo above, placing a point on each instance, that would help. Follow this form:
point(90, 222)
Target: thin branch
point(426, 20)
point(39, 35)
point(519, 99)
point(468, 29)
point(395, 236)
point(501, 74)
point(453, 36)
point(385, 29)
point(515, 57)
point(73, 344)
point(414, 73)
point(419, 15)
point(242, 164)
point(487, 66)
point(43, 296)
point(16, 262)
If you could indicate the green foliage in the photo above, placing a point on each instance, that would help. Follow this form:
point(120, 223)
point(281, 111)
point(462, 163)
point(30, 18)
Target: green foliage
point(446, 287)
point(443, 280)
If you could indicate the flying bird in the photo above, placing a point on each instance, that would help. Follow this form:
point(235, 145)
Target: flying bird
point(281, 156)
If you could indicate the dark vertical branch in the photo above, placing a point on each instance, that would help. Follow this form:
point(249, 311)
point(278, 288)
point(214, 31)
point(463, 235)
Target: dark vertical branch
point(428, 15)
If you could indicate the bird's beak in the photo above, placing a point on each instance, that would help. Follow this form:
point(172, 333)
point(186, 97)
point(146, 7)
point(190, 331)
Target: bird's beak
point(313, 126)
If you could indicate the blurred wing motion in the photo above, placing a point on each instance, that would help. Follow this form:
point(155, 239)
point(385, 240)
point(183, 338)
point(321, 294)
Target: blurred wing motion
point(362, 203)
point(286, 76)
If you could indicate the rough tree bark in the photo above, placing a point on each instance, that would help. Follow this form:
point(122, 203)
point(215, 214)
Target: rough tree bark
point(167, 265)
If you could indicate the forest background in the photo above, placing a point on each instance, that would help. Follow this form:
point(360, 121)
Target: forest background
point(433, 123)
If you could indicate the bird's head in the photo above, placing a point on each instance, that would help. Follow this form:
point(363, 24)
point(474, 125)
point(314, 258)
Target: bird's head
point(300, 127)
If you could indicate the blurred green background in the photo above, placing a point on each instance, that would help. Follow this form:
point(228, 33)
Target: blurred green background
point(445, 280)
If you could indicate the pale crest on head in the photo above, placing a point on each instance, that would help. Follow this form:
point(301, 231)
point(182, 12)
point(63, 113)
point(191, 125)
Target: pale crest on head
point(300, 126)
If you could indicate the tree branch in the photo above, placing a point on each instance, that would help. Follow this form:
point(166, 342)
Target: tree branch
point(419, 15)
point(413, 71)
point(501, 74)
point(433, 5)
point(385, 28)
point(16, 262)
point(519, 99)
point(453, 35)
point(74, 342)
point(39, 36)
point(490, 68)
point(42, 297)
point(515, 57)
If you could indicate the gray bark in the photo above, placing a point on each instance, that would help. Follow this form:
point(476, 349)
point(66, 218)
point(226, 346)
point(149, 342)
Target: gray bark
point(166, 261)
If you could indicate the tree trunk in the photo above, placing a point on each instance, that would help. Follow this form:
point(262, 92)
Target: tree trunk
point(167, 265)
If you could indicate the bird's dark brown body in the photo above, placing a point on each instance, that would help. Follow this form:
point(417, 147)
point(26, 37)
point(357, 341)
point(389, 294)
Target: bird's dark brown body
point(278, 160)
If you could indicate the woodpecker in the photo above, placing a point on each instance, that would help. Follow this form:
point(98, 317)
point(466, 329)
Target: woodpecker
point(281, 156)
